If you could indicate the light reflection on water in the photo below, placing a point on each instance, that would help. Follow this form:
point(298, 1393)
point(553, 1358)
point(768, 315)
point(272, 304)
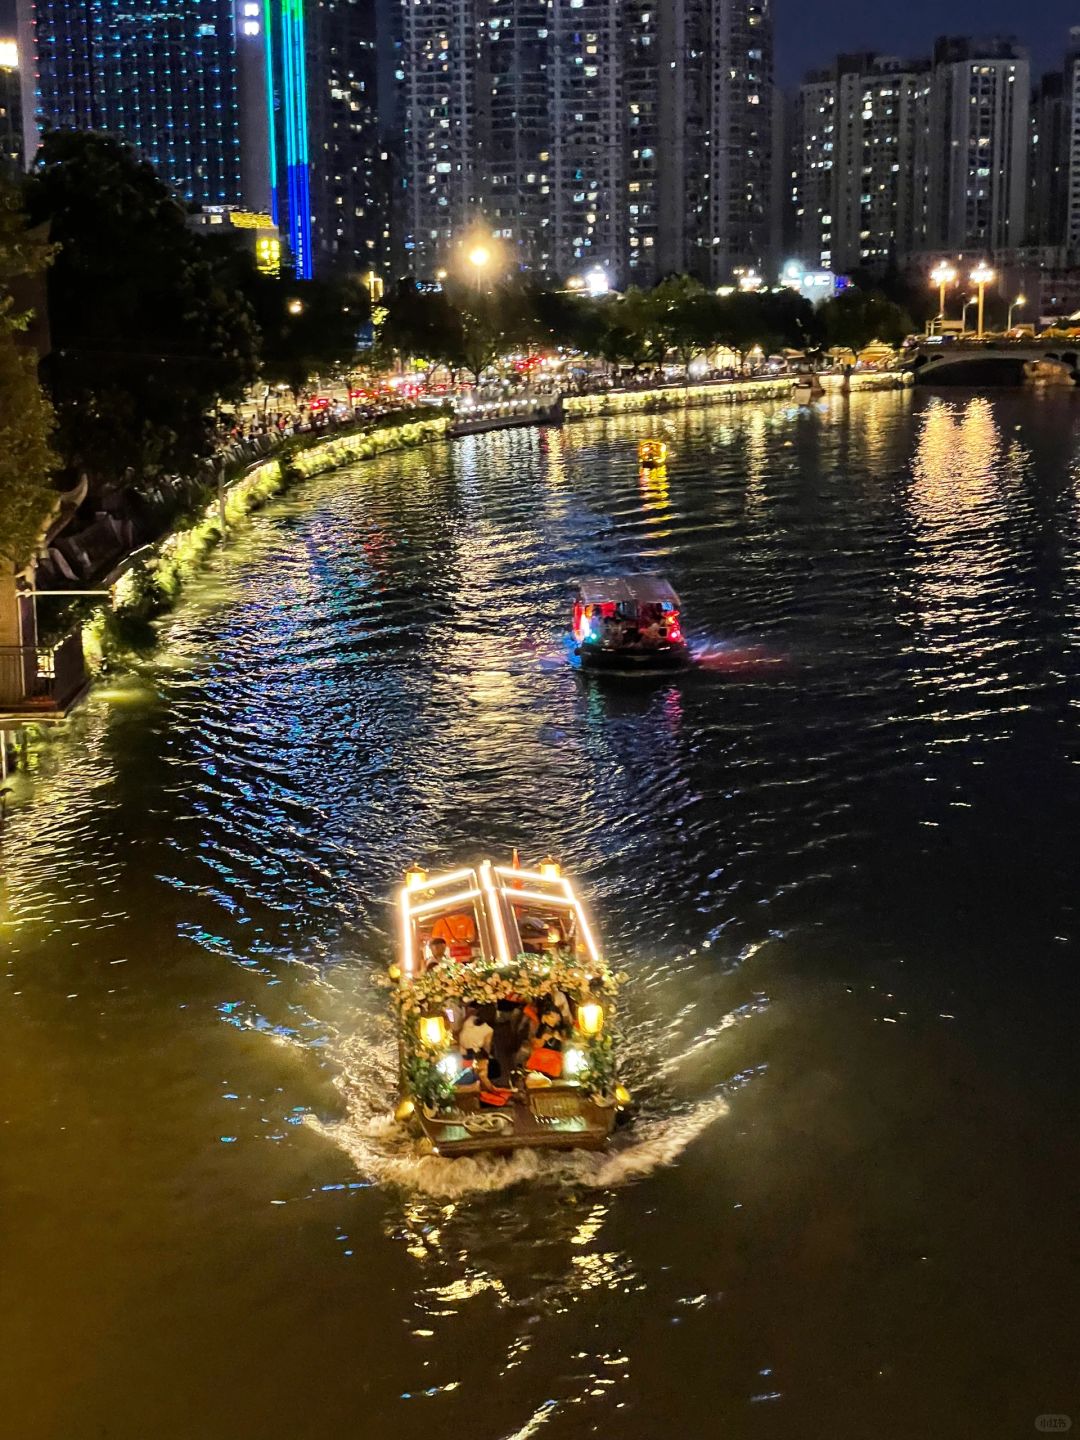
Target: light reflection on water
point(838, 862)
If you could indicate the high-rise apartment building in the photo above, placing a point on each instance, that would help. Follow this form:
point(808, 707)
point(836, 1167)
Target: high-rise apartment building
point(619, 135)
point(1048, 179)
point(350, 175)
point(1071, 199)
point(978, 135)
point(894, 158)
point(11, 139)
point(813, 162)
point(859, 136)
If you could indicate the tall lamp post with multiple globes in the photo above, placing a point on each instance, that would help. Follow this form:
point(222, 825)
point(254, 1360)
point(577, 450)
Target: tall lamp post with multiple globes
point(982, 276)
point(943, 275)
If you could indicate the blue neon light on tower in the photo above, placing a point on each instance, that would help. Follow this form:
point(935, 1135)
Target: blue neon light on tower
point(298, 180)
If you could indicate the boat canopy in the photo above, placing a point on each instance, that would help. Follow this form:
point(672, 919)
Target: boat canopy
point(635, 590)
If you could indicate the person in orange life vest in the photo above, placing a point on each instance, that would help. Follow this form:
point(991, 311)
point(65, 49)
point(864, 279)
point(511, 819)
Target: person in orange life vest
point(547, 1043)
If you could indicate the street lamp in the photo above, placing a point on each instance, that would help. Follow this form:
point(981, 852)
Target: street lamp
point(981, 276)
point(942, 276)
point(479, 259)
point(295, 307)
point(967, 306)
point(1017, 304)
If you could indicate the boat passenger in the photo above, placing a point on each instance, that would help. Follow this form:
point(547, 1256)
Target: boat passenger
point(476, 1035)
point(435, 950)
point(513, 1033)
point(547, 1043)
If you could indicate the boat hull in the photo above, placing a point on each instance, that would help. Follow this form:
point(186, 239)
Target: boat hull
point(553, 1118)
point(666, 660)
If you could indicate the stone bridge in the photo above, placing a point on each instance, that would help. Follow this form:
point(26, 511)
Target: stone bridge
point(993, 361)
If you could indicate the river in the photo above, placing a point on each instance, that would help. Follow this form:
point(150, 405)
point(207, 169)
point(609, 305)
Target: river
point(839, 863)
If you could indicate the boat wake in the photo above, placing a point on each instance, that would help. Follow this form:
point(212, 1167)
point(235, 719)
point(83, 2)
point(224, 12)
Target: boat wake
point(384, 1153)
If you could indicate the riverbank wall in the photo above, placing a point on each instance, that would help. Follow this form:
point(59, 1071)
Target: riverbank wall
point(725, 392)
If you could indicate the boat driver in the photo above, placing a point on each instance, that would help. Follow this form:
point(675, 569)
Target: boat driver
point(436, 951)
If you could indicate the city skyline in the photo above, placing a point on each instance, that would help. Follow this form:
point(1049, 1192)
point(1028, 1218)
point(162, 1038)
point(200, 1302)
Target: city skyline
point(809, 36)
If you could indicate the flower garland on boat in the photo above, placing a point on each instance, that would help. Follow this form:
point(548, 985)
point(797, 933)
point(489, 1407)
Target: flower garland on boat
point(487, 982)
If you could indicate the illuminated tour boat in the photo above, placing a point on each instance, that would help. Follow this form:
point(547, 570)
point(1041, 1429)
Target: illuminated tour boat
point(506, 1013)
point(629, 625)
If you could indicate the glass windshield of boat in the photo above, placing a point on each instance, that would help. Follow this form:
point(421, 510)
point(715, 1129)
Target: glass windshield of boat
point(455, 933)
point(623, 626)
point(550, 931)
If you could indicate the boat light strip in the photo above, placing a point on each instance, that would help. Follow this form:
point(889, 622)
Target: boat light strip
point(586, 933)
point(532, 875)
point(444, 901)
point(496, 913)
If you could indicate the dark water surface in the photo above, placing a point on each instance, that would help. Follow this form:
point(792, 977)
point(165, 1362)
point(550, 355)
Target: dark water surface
point(840, 864)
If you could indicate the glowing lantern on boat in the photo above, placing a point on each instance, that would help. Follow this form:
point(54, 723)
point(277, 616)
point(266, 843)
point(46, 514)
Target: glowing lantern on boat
point(550, 868)
point(590, 1018)
point(433, 1031)
point(622, 1096)
point(404, 1110)
point(573, 1063)
point(415, 877)
point(395, 973)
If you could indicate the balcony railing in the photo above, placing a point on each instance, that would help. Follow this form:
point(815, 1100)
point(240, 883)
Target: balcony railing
point(39, 681)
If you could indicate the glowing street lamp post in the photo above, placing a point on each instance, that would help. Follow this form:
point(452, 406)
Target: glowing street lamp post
point(942, 276)
point(1017, 304)
point(479, 259)
point(981, 276)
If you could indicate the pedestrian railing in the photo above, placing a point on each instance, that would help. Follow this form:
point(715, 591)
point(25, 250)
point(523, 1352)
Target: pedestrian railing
point(42, 680)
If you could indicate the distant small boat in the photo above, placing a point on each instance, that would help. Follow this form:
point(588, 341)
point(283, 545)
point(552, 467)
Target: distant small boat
point(652, 454)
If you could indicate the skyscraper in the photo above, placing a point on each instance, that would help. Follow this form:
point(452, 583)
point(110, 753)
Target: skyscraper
point(264, 105)
point(349, 176)
point(11, 139)
point(165, 81)
point(1048, 185)
point(620, 135)
point(978, 134)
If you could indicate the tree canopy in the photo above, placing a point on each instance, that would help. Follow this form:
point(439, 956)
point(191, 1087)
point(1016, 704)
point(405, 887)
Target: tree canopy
point(26, 417)
point(149, 332)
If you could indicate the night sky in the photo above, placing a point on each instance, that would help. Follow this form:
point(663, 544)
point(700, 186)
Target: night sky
point(810, 32)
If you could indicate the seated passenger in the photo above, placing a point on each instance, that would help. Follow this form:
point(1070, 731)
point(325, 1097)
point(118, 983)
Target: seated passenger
point(510, 1048)
point(476, 1035)
point(547, 1043)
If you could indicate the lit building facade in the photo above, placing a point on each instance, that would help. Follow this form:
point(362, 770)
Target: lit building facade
point(350, 184)
point(11, 126)
point(619, 135)
point(269, 106)
point(978, 134)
